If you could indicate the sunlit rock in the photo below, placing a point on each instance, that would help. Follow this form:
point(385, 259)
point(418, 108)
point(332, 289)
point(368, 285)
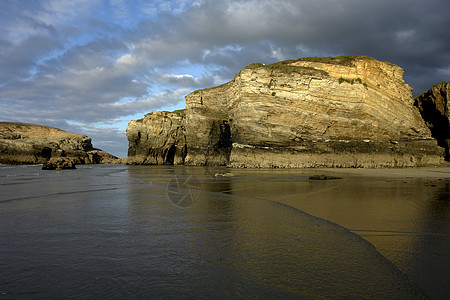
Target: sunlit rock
point(59, 163)
point(348, 111)
point(23, 143)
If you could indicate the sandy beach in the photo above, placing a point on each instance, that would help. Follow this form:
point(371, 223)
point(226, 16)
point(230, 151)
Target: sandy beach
point(424, 172)
point(276, 233)
point(404, 213)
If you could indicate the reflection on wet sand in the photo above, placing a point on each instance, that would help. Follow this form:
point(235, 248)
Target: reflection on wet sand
point(249, 242)
point(407, 219)
point(170, 232)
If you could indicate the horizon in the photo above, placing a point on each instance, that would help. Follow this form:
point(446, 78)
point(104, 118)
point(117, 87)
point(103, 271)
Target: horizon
point(92, 66)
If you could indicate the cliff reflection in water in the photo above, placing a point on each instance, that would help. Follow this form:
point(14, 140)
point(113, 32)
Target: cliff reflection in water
point(179, 232)
point(249, 244)
point(406, 219)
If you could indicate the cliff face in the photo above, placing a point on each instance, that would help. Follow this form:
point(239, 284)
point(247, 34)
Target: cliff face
point(22, 143)
point(332, 112)
point(157, 139)
point(434, 108)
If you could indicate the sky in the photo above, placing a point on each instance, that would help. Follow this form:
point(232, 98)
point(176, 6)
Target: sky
point(91, 66)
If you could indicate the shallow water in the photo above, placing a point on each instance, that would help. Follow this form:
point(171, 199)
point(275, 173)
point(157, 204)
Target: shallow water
point(175, 232)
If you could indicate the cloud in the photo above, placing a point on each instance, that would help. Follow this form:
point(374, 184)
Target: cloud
point(164, 99)
point(89, 62)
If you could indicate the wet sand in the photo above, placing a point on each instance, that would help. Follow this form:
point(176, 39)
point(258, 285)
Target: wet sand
point(404, 213)
point(425, 172)
point(412, 227)
point(122, 232)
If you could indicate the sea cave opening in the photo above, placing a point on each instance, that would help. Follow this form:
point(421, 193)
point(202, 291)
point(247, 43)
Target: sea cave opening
point(170, 157)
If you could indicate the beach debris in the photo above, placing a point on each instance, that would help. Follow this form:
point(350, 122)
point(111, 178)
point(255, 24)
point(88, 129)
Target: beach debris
point(228, 174)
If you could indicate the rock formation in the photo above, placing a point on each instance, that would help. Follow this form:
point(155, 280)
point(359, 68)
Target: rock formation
point(157, 139)
point(22, 143)
point(434, 108)
point(59, 163)
point(347, 111)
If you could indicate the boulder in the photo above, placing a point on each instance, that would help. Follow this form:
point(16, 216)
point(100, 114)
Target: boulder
point(59, 163)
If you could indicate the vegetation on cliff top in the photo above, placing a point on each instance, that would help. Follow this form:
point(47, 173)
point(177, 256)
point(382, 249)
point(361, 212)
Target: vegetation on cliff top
point(344, 60)
point(207, 89)
point(165, 114)
point(27, 127)
point(287, 67)
point(181, 113)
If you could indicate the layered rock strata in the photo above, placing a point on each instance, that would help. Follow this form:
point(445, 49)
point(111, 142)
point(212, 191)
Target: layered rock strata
point(157, 139)
point(348, 111)
point(434, 108)
point(23, 143)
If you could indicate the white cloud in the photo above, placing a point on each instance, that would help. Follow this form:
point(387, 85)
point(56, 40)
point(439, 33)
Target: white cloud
point(155, 7)
point(58, 12)
point(175, 76)
point(120, 9)
point(127, 59)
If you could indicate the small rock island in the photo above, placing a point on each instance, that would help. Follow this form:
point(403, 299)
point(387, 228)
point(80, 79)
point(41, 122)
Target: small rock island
point(23, 143)
point(346, 111)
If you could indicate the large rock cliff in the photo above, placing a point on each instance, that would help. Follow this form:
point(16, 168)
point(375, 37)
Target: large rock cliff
point(434, 108)
point(158, 139)
point(23, 143)
point(348, 111)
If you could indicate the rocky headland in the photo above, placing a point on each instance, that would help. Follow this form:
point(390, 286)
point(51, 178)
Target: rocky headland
point(23, 143)
point(434, 108)
point(347, 111)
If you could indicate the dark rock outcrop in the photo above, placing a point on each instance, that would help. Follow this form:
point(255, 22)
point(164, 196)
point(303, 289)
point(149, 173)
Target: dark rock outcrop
point(348, 111)
point(323, 177)
point(59, 163)
point(434, 108)
point(23, 143)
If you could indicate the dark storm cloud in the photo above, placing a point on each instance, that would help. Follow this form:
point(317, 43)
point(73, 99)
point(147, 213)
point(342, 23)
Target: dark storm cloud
point(412, 34)
point(72, 63)
point(408, 33)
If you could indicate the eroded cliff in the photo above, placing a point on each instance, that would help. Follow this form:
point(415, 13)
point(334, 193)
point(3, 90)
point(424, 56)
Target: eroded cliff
point(23, 143)
point(434, 108)
point(348, 111)
point(157, 139)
